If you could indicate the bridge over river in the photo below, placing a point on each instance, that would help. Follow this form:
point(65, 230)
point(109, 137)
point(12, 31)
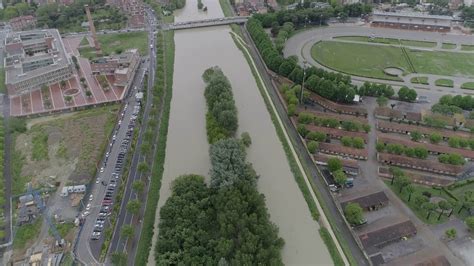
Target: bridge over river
point(205, 23)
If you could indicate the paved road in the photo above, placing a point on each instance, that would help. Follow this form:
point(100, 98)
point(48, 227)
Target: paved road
point(87, 250)
point(301, 43)
point(335, 215)
point(118, 244)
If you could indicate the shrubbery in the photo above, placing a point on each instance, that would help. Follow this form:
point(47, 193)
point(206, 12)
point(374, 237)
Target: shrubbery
point(376, 90)
point(334, 86)
point(225, 223)
point(221, 118)
point(452, 158)
point(398, 149)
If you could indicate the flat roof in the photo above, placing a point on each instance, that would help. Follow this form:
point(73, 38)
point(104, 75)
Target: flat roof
point(411, 15)
point(15, 73)
point(366, 200)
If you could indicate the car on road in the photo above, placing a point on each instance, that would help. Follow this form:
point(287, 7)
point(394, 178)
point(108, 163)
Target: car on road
point(84, 214)
point(102, 169)
point(91, 197)
point(88, 207)
point(97, 181)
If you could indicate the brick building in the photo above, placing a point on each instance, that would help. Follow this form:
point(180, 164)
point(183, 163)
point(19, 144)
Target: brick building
point(411, 21)
point(122, 66)
point(23, 23)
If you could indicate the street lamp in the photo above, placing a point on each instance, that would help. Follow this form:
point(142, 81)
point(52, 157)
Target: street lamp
point(302, 84)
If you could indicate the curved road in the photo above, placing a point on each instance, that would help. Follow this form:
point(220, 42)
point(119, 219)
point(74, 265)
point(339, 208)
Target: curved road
point(301, 43)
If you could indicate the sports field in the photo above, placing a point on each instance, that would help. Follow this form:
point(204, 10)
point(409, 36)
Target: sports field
point(369, 60)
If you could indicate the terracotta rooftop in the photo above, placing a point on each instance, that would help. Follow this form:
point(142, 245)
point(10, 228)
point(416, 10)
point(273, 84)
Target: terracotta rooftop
point(385, 235)
point(405, 128)
point(389, 139)
point(420, 164)
point(420, 177)
point(397, 114)
point(340, 117)
point(366, 200)
point(337, 133)
point(345, 162)
point(343, 151)
point(338, 108)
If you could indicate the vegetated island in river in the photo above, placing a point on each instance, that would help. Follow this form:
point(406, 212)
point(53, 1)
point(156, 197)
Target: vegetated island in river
point(227, 221)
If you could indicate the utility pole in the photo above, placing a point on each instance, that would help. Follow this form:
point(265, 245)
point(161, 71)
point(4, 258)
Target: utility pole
point(302, 84)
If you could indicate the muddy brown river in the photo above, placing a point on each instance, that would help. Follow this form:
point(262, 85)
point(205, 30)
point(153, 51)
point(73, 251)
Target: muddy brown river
point(187, 147)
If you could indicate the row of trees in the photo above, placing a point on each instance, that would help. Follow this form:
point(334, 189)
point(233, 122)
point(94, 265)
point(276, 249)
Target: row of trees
point(375, 90)
point(304, 14)
point(334, 86)
point(393, 148)
point(281, 33)
point(221, 118)
point(406, 94)
point(175, 4)
point(463, 102)
point(308, 118)
point(355, 142)
point(451, 158)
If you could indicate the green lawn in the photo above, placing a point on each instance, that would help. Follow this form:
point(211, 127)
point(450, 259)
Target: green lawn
point(369, 60)
point(422, 214)
point(110, 43)
point(448, 46)
point(418, 43)
point(359, 59)
point(420, 80)
point(468, 86)
point(444, 83)
point(442, 63)
point(84, 42)
point(367, 39)
point(467, 47)
point(392, 41)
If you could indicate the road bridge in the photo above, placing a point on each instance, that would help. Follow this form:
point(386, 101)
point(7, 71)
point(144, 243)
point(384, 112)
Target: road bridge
point(205, 23)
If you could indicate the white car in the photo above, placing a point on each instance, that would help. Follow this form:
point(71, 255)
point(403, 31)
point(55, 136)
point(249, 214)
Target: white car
point(102, 169)
point(85, 214)
point(88, 207)
point(91, 197)
point(97, 181)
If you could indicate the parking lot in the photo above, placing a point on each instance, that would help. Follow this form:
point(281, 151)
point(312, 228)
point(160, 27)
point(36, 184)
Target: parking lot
point(101, 200)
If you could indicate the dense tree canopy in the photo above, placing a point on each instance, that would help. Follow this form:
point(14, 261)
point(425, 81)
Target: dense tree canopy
point(222, 113)
point(334, 86)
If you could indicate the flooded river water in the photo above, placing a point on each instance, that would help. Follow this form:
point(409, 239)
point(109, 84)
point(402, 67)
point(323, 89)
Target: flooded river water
point(187, 147)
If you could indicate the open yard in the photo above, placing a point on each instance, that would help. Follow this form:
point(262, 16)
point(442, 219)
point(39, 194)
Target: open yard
point(357, 59)
point(62, 148)
point(114, 42)
point(369, 60)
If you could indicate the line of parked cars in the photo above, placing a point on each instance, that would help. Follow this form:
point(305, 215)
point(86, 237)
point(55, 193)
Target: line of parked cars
point(107, 202)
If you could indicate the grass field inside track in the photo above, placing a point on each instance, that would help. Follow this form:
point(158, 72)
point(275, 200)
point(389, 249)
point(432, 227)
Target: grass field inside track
point(370, 60)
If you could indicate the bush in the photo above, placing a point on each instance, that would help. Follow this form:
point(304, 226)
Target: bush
point(305, 118)
point(317, 136)
point(452, 158)
point(313, 146)
point(246, 140)
point(302, 130)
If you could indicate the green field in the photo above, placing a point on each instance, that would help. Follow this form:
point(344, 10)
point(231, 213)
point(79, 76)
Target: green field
point(468, 86)
point(391, 41)
point(358, 59)
point(419, 80)
point(467, 47)
point(111, 43)
point(367, 39)
point(369, 60)
point(444, 83)
point(448, 46)
point(418, 43)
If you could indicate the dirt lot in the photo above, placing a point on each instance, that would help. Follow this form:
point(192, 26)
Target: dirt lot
point(71, 149)
point(62, 148)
